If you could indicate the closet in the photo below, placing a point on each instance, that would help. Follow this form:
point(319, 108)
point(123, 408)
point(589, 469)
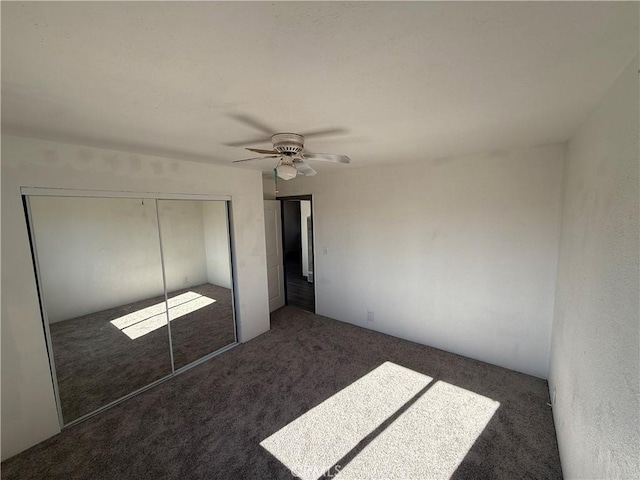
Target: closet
point(134, 288)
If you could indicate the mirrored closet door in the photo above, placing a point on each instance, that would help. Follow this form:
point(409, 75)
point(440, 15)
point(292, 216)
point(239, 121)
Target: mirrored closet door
point(195, 246)
point(132, 290)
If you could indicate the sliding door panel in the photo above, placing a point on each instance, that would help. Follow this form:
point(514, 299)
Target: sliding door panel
point(197, 265)
point(100, 278)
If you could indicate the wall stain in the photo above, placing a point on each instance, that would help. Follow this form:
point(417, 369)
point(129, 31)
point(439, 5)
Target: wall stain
point(85, 155)
point(51, 157)
point(112, 161)
point(438, 162)
point(135, 163)
point(157, 167)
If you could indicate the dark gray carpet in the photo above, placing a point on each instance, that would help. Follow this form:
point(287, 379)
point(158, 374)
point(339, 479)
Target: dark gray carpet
point(205, 330)
point(208, 422)
point(96, 363)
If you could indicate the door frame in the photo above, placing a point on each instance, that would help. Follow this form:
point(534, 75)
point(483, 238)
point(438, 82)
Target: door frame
point(273, 207)
point(308, 197)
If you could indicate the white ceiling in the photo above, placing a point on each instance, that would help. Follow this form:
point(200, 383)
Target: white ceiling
point(409, 81)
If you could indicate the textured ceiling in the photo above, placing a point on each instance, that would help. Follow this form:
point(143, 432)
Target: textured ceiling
point(409, 81)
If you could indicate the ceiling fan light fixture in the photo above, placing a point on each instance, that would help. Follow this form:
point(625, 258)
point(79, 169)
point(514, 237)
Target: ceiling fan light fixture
point(286, 171)
point(290, 148)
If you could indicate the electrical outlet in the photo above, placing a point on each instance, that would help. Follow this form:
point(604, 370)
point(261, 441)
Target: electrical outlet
point(370, 317)
point(325, 250)
point(553, 397)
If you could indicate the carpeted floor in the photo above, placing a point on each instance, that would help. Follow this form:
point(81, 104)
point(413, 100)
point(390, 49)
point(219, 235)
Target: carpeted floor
point(208, 422)
point(97, 363)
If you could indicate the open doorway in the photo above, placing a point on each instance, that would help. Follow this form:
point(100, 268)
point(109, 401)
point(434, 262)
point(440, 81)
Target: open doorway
point(297, 247)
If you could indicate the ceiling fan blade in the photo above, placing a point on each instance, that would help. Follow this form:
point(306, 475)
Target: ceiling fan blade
point(253, 122)
point(325, 133)
point(304, 168)
point(266, 152)
point(327, 157)
point(251, 141)
point(256, 158)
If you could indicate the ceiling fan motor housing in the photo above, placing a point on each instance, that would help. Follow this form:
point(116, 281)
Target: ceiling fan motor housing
point(288, 143)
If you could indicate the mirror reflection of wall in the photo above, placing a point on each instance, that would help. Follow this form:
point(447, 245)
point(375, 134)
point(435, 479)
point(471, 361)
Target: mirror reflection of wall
point(195, 245)
point(101, 279)
point(100, 271)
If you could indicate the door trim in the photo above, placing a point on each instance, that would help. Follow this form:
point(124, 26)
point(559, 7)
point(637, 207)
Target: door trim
point(65, 192)
point(308, 197)
point(273, 215)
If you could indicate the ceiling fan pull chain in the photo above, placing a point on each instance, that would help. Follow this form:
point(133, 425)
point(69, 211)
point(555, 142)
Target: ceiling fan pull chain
point(275, 179)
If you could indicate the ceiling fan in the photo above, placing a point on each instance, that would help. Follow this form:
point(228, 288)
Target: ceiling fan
point(290, 148)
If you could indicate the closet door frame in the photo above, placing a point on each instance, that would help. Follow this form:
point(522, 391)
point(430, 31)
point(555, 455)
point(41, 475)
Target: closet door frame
point(27, 192)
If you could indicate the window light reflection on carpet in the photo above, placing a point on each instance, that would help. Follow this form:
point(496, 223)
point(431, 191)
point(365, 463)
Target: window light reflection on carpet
point(436, 425)
point(146, 320)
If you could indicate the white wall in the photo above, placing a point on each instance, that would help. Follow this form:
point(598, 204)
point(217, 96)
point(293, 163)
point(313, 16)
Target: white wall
point(305, 211)
point(269, 188)
point(183, 246)
point(28, 405)
point(460, 254)
point(216, 240)
point(595, 352)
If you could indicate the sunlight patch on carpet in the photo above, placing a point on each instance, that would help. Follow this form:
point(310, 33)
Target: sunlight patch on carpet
point(314, 442)
point(146, 320)
point(429, 440)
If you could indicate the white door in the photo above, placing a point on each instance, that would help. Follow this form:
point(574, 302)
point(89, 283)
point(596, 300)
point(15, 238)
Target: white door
point(275, 274)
